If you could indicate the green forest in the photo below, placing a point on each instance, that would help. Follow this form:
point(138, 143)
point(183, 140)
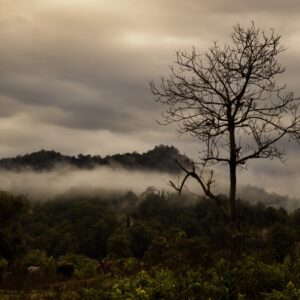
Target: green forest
point(156, 245)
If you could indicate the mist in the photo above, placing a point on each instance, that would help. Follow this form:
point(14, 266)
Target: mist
point(41, 186)
point(47, 185)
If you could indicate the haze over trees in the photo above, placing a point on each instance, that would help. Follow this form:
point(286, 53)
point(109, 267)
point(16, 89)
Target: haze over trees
point(229, 99)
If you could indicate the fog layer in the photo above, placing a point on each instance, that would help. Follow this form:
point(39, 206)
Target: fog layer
point(42, 186)
point(46, 185)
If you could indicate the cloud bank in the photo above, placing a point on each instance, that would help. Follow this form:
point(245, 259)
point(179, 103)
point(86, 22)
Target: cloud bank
point(47, 185)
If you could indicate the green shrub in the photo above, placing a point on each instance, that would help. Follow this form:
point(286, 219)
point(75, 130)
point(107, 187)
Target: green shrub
point(93, 294)
point(84, 267)
point(253, 277)
point(290, 292)
point(144, 286)
point(40, 258)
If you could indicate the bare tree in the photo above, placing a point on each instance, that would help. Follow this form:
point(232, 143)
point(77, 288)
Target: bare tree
point(228, 98)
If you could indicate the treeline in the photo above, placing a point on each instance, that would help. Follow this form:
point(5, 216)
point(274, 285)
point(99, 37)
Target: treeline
point(124, 225)
point(153, 246)
point(161, 158)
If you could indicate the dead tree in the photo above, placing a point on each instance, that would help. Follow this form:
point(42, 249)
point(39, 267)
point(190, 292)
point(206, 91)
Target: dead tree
point(228, 98)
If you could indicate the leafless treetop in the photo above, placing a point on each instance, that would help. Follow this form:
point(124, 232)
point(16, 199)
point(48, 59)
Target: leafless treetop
point(232, 88)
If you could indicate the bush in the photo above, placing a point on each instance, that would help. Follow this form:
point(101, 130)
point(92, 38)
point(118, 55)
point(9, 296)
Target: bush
point(144, 286)
point(84, 267)
point(93, 294)
point(289, 293)
point(39, 258)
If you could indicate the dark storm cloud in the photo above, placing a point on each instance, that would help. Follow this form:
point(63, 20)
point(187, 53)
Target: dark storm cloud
point(75, 62)
point(94, 61)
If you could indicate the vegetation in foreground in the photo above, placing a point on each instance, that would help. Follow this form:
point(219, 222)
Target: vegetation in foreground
point(156, 246)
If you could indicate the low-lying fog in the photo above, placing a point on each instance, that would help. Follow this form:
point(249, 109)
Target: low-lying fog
point(41, 185)
point(47, 185)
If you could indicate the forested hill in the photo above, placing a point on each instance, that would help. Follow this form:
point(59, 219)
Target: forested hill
point(161, 158)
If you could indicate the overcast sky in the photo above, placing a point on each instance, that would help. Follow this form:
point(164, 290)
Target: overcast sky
point(75, 73)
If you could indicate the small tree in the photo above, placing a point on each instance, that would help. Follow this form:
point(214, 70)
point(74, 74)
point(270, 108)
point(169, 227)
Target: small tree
point(228, 98)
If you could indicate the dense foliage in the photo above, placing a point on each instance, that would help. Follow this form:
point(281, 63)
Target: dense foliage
point(152, 246)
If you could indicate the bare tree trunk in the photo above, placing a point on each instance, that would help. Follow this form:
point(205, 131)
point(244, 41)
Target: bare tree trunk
point(233, 218)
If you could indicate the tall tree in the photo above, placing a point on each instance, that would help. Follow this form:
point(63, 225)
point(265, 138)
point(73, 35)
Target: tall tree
point(228, 98)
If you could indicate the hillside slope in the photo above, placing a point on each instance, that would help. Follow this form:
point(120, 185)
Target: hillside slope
point(161, 158)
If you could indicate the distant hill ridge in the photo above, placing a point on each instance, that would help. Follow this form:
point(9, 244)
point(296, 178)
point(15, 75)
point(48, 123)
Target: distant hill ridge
point(161, 158)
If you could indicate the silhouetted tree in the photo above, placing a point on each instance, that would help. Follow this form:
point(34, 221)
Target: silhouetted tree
point(228, 98)
point(12, 238)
